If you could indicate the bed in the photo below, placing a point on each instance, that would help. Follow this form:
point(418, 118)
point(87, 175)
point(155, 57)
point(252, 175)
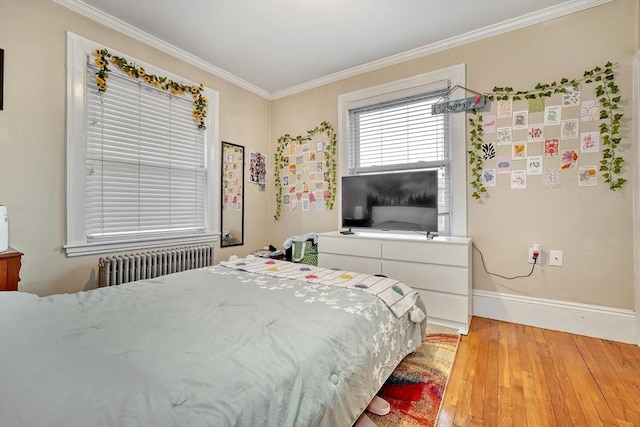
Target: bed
point(249, 342)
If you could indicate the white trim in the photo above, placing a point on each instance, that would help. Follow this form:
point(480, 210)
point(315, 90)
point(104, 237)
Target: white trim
point(582, 319)
point(454, 75)
point(103, 248)
point(533, 18)
point(135, 33)
point(636, 187)
point(76, 240)
point(547, 14)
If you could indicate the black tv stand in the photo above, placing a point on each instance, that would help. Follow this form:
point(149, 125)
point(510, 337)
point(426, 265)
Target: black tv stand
point(347, 231)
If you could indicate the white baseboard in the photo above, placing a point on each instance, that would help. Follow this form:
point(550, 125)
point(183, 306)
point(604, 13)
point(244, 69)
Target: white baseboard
point(583, 319)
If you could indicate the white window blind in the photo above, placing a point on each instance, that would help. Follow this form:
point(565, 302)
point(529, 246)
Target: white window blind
point(145, 162)
point(402, 135)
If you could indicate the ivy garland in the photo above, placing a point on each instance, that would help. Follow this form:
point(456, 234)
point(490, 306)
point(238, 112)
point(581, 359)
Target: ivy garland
point(103, 57)
point(329, 161)
point(610, 164)
point(476, 154)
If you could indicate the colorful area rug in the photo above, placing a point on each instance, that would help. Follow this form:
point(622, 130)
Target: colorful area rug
point(416, 387)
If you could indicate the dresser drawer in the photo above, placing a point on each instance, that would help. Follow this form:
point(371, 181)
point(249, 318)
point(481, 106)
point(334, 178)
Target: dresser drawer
point(427, 252)
point(441, 278)
point(350, 263)
point(446, 306)
point(349, 245)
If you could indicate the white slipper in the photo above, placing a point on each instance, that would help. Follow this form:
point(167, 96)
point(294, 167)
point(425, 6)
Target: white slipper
point(364, 421)
point(379, 406)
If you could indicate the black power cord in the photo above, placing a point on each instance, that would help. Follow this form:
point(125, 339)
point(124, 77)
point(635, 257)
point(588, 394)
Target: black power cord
point(535, 260)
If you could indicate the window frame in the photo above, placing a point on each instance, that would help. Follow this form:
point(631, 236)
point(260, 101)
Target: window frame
point(78, 48)
point(427, 82)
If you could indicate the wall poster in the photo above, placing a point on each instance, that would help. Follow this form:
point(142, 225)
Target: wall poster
point(305, 171)
point(258, 169)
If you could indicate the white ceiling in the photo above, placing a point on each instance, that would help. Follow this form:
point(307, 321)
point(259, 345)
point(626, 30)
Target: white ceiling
point(277, 47)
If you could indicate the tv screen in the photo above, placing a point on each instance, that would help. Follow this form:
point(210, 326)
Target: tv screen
point(391, 201)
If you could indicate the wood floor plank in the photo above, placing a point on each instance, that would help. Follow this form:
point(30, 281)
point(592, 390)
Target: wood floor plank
point(627, 372)
point(504, 375)
point(564, 361)
point(503, 355)
point(531, 400)
point(539, 335)
point(524, 335)
point(490, 409)
point(478, 396)
point(556, 396)
point(515, 372)
point(504, 407)
point(542, 396)
point(597, 368)
point(588, 390)
point(463, 416)
point(632, 416)
point(518, 407)
point(620, 376)
point(463, 409)
point(522, 338)
point(455, 385)
point(527, 376)
point(629, 351)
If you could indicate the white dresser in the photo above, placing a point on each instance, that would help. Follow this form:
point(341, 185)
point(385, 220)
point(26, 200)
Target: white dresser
point(439, 269)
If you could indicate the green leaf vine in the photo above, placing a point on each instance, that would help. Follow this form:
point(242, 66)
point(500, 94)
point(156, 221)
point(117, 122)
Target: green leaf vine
point(476, 154)
point(607, 94)
point(330, 162)
point(103, 58)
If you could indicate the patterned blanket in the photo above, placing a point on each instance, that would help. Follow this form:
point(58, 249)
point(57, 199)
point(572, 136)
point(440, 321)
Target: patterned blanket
point(399, 297)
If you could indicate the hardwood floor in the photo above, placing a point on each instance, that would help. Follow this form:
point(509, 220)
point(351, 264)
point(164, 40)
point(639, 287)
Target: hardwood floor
point(507, 374)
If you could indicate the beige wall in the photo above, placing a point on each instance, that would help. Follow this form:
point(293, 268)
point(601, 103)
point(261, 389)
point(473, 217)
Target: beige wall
point(593, 226)
point(32, 138)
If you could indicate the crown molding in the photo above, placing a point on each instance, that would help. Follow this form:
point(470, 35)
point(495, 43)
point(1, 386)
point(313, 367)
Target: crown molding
point(470, 37)
point(133, 32)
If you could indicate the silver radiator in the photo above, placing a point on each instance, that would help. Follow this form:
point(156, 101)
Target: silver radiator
point(115, 270)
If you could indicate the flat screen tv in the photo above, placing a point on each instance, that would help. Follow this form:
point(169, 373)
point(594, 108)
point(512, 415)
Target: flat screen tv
point(403, 201)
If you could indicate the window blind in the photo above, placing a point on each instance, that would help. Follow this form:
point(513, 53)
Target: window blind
point(402, 135)
point(145, 162)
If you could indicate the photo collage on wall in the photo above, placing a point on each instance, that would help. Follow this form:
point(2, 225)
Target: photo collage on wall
point(555, 138)
point(258, 169)
point(232, 182)
point(304, 178)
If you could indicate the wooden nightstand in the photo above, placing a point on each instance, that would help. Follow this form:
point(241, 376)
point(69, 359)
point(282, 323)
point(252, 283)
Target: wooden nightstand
point(10, 262)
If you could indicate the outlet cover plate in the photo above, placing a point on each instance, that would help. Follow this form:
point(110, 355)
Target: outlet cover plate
point(555, 257)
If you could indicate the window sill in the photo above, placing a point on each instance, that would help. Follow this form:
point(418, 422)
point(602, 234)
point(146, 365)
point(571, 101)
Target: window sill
point(79, 249)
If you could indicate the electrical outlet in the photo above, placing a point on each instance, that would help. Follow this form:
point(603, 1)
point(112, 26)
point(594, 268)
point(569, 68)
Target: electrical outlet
point(555, 257)
point(531, 251)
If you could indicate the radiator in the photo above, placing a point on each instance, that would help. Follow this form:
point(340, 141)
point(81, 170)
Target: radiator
point(115, 270)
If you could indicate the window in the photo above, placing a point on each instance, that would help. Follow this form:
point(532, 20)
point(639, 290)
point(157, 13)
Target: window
point(390, 128)
point(139, 171)
point(402, 135)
